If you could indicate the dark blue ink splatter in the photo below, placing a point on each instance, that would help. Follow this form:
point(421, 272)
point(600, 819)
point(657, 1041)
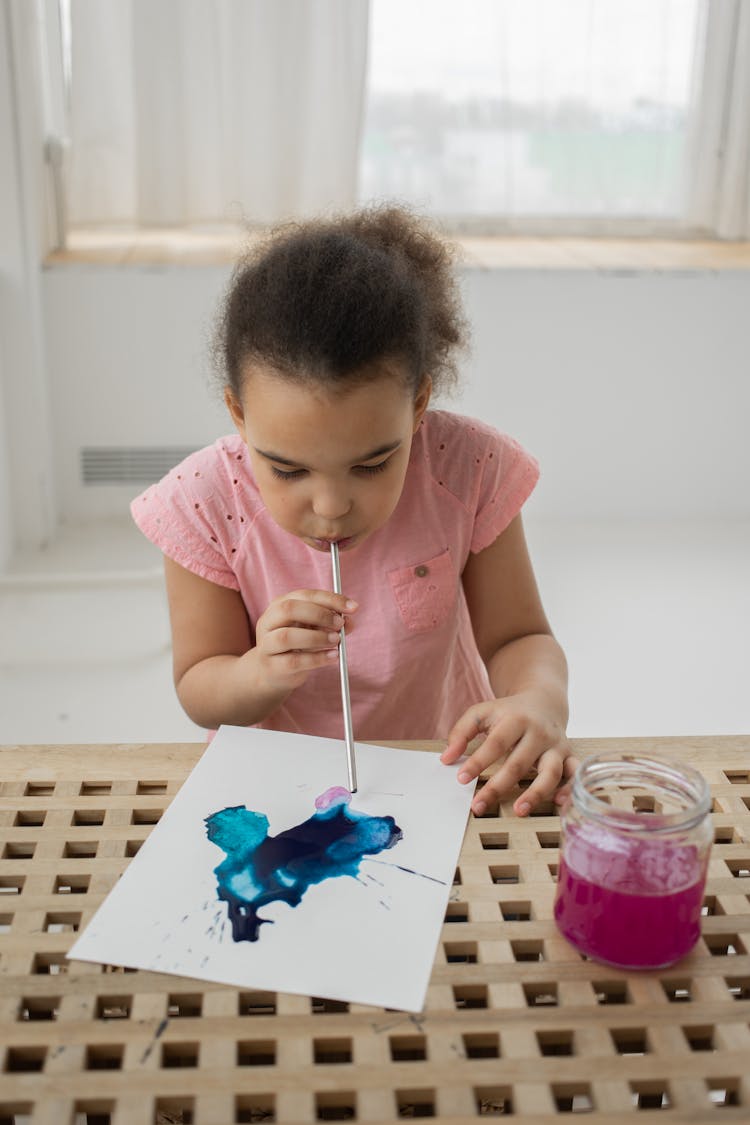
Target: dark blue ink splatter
point(259, 868)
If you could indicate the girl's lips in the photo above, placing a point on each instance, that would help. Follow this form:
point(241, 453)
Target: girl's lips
point(325, 544)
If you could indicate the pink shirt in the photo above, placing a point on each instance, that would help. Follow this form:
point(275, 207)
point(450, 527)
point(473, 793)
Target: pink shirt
point(413, 664)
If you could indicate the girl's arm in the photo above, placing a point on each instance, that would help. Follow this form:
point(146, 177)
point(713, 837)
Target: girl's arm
point(219, 674)
point(525, 723)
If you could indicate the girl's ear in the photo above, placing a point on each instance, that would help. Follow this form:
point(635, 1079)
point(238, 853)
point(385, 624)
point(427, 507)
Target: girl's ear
point(234, 406)
point(421, 401)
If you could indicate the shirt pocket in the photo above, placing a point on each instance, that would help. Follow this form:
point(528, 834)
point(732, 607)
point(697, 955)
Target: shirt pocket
point(425, 592)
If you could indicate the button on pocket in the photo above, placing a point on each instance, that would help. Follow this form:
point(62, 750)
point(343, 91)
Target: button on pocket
point(425, 593)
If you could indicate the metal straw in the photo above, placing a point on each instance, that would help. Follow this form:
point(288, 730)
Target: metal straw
point(346, 701)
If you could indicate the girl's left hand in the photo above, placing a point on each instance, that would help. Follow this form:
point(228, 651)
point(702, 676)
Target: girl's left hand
point(523, 730)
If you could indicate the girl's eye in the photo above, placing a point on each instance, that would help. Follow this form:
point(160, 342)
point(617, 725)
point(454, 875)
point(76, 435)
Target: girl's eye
point(373, 468)
point(289, 474)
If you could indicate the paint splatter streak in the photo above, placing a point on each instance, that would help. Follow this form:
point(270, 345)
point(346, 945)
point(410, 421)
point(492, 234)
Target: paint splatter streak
point(259, 868)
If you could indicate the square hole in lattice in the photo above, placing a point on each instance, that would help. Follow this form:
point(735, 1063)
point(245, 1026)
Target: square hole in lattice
point(320, 1005)
point(739, 868)
point(80, 849)
point(132, 847)
point(104, 1056)
point(336, 1105)
point(110, 970)
point(113, 1007)
point(175, 1055)
point(505, 873)
point(184, 1005)
point(456, 878)
point(553, 869)
point(711, 907)
point(630, 1040)
point(545, 808)
point(548, 839)
point(516, 911)
point(93, 1111)
point(256, 1004)
point(49, 964)
point(528, 950)
point(481, 1045)
point(11, 884)
point(6, 921)
point(738, 987)
point(494, 841)
point(555, 1042)
point(470, 996)
point(723, 1092)
point(177, 1111)
point(33, 1008)
point(415, 1103)
point(737, 777)
point(71, 884)
point(95, 788)
point(677, 991)
point(88, 818)
point(23, 1059)
point(256, 1052)
point(146, 816)
point(254, 1107)
point(611, 991)
point(726, 834)
point(493, 1101)
point(650, 1095)
point(39, 789)
point(700, 1037)
point(408, 1048)
point(19, 849)
point(327, 1052)
point(30, 818)
point(540, 994)
point(460, 952)
point(56, 922)
point(15, 1113)
point(457, 912)
point(572, 1097)
point(152, 788)
point(724, 945)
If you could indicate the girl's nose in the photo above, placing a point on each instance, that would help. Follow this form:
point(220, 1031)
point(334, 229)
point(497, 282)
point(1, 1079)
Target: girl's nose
point(331, 503)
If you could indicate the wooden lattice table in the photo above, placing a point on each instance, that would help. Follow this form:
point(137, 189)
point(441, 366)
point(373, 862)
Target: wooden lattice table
point(516, 1022)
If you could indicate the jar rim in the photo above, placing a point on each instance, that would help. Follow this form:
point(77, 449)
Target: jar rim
point(675, 777)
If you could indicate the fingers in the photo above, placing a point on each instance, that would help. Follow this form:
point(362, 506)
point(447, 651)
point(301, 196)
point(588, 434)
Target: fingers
point(314, 609)
point(467, 728)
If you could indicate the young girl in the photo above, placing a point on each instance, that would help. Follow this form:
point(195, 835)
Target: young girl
point(334, 336)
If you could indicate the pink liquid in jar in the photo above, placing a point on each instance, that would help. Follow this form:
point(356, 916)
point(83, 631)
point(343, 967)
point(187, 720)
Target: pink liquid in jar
point(630, 902)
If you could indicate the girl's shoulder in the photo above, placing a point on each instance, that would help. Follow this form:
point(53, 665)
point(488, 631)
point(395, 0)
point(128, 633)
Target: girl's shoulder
point(216, 476)
point(471, 459)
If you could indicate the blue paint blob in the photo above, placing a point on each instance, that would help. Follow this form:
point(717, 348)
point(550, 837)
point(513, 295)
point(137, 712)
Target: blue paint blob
point(259, 868)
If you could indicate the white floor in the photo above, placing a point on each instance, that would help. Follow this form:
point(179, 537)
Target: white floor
point(655, 620)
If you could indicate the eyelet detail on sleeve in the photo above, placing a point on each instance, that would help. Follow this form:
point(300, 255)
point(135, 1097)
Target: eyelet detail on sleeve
point(425, 592)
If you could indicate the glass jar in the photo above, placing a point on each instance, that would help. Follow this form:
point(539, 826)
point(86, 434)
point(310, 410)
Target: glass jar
point(636, 837)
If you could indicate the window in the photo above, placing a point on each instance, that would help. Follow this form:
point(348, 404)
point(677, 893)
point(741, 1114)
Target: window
point(496, 116)
point(530, 108)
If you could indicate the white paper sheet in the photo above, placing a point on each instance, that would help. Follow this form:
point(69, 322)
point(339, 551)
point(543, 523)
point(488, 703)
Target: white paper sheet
point(367, 936)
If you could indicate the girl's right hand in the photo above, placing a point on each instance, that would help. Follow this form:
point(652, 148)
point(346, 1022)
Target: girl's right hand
point(297, 633)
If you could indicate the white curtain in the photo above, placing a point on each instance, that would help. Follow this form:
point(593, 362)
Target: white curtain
point(196, 112)
point(720, 189)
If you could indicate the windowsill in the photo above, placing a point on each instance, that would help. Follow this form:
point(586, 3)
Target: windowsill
point(191, 248)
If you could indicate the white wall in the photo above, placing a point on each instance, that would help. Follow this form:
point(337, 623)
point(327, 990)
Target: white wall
point(631, 388)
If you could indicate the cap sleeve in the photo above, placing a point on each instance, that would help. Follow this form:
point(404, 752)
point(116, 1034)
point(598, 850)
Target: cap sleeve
point(507, 476)
point(182, 516)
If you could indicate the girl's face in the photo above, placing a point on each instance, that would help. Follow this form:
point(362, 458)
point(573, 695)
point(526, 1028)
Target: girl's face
point(329, 465)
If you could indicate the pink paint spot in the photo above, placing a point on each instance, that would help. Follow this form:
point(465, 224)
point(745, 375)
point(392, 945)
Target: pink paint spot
point(336, 795)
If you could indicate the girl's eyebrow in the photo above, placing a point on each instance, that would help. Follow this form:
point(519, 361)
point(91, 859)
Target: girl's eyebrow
point(382, 449)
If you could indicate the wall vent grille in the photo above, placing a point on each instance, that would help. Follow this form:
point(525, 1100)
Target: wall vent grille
point(130, 464)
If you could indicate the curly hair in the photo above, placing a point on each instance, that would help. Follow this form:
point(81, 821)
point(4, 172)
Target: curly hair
point(325, 300)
